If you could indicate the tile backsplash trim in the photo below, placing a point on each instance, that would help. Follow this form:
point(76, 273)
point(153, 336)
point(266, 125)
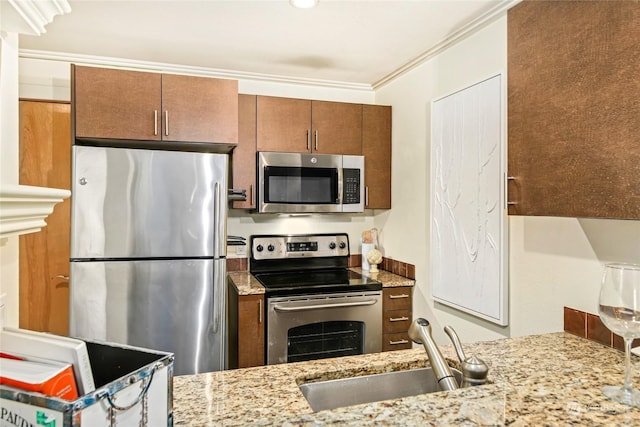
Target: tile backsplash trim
point(391, 265)
point(589, 326)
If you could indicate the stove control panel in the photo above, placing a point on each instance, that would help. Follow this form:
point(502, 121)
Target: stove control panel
point(299, 246)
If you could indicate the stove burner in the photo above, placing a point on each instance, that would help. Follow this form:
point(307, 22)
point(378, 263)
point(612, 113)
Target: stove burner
point(304, 282)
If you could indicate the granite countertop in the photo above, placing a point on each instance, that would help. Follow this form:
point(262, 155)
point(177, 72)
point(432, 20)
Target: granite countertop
point(246, 284)
point(551, 379)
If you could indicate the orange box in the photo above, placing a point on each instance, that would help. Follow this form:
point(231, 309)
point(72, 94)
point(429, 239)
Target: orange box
point(52, 379)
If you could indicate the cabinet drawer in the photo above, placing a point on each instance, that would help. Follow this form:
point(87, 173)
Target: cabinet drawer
point(397, 298)
point(399, 341)
point(396, 321)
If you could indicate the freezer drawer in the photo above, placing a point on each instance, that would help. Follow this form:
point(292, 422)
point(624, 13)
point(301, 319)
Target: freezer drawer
point(133, 203)
point(176, 306)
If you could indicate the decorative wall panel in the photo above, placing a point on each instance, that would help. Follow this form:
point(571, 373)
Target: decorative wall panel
point(468, 237)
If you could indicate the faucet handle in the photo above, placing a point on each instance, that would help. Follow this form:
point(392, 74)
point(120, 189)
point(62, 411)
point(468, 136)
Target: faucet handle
point(456, 343)
point(474, 369)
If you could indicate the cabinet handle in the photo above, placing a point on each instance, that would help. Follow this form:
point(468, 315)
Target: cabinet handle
point(166, 122)
point(366, 195)
point(308, 139)
point(316, 139)
point(260, 314)
point(398, 296)
point(155, 122)
point(509, 178)
point(398, 342)
point(252, 195)
point(398, 319)
point(60, 276)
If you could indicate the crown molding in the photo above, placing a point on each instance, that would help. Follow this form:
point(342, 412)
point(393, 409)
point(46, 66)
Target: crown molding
point(463, 32)
point(130, 64)
point(23, 208)
point(31, 16)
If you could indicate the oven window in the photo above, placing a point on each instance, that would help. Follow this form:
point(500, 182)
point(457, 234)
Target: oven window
point(325, 339)
point(301, 185)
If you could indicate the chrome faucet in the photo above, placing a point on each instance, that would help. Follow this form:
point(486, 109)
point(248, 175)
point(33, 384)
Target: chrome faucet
point(474, 370)
point(420, 333)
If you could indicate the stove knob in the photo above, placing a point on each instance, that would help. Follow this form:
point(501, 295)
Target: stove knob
point(332, 245)
point(342, 245)
point(259, 248)
point(271, 248)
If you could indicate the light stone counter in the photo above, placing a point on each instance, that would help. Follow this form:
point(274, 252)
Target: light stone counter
point(552, 379)
point(245, 283)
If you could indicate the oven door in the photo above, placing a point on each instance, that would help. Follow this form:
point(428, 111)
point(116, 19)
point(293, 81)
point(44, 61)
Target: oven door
point(320, 326)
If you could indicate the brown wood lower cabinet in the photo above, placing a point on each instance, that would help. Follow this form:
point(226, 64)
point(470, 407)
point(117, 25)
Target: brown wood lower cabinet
point(397, 314)
point(246, 329)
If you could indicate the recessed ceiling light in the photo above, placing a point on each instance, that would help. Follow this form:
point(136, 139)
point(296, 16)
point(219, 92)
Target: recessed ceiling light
point(303, 4)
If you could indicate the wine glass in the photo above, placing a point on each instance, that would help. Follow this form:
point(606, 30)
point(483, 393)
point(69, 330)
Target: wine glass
point(619, 309)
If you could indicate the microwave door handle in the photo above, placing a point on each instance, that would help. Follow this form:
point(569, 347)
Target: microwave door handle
point(340, 185)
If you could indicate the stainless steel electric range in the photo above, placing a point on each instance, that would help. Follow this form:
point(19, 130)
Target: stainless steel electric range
point(316, 307)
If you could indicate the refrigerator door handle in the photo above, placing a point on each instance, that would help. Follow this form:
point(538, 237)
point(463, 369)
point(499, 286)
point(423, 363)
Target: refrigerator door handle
point(219, 280)
point(216, 220)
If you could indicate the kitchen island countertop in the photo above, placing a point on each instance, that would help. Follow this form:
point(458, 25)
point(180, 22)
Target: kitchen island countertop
point(246, 284)
point(551, 379)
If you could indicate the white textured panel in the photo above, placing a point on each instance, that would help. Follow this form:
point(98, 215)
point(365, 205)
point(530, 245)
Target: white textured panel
point(468, 245)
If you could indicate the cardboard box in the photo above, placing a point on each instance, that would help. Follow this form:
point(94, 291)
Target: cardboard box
point(134, 386)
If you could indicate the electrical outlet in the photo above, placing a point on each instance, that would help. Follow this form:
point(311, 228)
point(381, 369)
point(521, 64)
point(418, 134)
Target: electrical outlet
point(241, 250)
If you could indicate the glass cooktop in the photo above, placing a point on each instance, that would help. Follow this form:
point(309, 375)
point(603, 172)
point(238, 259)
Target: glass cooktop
point(303, 282)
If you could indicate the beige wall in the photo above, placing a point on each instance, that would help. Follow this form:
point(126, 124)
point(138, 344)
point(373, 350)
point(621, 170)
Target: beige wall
point(554, 262)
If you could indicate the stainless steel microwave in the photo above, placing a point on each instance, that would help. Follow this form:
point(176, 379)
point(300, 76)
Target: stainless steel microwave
point(308, 183)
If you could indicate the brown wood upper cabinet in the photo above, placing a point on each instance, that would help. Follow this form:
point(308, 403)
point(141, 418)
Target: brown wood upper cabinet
point(120, 104)
point(573, 109)
point(305, 126)
point(244, 155)
point(376, 147)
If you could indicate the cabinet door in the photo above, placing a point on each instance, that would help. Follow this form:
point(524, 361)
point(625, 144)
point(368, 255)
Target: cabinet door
point(118, 104)
point(199, 109)
point(45, 161)
point(337, 127)
point(283, 124)
point(397, 314)
point(376, 147)
point(250, 330)
point(573, 109)
point(243, 160)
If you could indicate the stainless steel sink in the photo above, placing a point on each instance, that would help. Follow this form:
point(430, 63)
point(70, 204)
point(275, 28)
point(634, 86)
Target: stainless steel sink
point(342, 392)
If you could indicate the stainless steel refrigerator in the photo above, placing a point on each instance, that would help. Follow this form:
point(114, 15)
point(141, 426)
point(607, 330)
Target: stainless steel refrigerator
point(148, 247)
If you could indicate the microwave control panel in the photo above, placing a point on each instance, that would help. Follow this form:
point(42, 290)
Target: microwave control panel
point(351, 191)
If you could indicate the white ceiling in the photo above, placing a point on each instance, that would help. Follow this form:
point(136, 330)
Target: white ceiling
point(363, 42)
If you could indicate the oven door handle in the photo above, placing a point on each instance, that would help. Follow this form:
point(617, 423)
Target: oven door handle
point(277, 307)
